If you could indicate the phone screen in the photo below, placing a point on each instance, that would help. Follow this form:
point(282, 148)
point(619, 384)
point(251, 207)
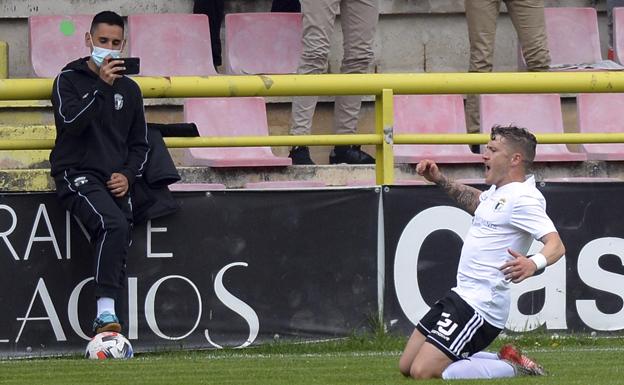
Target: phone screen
point(132, 65)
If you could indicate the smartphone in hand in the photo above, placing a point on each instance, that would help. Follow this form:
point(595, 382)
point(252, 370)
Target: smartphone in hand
point(132, 65)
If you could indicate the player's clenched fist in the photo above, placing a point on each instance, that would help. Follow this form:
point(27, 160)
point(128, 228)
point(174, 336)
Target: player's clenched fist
point(429, 170)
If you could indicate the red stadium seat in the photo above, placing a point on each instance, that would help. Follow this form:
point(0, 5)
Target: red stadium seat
point(431, 114)
point(601, 113)
point(285, 184)
point(55, 40)
point(618, 34)
point(540, 113)
point(573, 36)
point(171, 44)
point(262, 43)
point(230, 117)
point(196, 186)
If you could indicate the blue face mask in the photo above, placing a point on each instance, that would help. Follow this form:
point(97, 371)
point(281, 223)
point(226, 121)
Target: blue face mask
point(98, 54)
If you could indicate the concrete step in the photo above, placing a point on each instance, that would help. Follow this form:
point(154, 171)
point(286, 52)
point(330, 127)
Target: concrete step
point(334, 176)
point(20, 159)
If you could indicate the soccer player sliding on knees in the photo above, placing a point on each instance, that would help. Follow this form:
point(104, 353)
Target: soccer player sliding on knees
point(449, 340)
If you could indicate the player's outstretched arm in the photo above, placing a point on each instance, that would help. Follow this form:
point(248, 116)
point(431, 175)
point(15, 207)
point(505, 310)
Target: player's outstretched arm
point(467, 197)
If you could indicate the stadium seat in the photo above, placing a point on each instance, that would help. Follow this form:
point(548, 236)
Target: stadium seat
point(540, 113)
point(262, 43)
point(230, 117)
point(431, 114)
point(288, 184)
point(196, 186)
point(55, 40)
point(618, 34)
point(171, 44)
point(601, 113)
point(573, 36)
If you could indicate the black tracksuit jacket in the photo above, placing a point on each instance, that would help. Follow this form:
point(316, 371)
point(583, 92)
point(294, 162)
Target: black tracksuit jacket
point(100, 129)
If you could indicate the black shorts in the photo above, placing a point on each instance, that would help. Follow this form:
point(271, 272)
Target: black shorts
point(456, 328)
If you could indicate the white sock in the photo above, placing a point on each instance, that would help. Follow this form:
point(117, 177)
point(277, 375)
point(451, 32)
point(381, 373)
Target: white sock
point(475, 367)
point(105, 304)
point(485, 355)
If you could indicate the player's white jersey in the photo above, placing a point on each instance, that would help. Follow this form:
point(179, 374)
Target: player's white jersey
point(506, 218)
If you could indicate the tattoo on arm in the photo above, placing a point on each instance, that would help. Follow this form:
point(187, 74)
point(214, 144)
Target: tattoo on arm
point(467, 197)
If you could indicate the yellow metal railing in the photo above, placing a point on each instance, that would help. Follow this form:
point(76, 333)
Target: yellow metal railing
point(324, 140)
point(347, 84)
point(568, 138)
point(383, 86)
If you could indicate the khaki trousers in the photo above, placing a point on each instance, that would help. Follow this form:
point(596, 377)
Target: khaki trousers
point(527, 17)
point(358, 19)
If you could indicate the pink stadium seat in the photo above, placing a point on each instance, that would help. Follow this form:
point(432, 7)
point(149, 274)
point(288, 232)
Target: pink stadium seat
point(279, 184)
point(196, 186)
point(601, 113)
point(262, 43)
point(618, 34)
point(431, 114)
point(171, 44)
point(230, 117)
point(573, 36)
point(540, 113)
point(56, 40)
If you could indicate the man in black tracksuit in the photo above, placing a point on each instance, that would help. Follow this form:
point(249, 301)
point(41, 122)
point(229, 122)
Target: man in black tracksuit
point(101, 147)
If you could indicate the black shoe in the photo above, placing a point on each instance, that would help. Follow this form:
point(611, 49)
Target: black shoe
point(300, 155)
point(350, 155)
point(475, 148)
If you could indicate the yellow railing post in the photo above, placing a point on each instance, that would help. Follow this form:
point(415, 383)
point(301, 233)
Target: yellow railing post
point(384, 126)
point(347, 84)
point(4, 60)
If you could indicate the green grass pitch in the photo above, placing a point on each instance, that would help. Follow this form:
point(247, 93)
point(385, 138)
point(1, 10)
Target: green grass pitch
point(356, 360)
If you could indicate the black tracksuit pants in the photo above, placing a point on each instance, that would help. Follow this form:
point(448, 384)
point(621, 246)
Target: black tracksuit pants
point(108, 221)
point(285, 6)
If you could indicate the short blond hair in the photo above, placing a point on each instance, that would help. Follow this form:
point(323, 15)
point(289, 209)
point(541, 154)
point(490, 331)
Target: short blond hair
point(520, 139)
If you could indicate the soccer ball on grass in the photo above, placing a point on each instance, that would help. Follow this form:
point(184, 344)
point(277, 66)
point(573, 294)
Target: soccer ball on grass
point(108, 345)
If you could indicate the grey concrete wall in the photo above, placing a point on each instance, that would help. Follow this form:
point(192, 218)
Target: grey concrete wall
point(25, 8)
point(412, 35)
